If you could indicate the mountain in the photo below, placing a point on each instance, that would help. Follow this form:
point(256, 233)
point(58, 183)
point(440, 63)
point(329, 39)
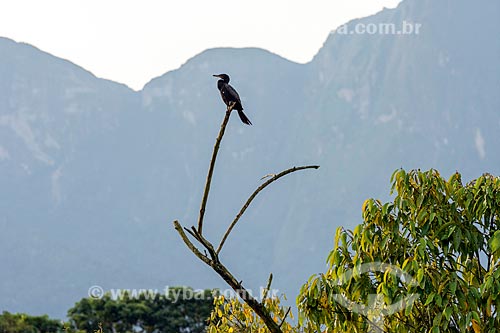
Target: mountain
point(92, 174)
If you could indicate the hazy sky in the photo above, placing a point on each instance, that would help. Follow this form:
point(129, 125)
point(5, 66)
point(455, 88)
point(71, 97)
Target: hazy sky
point(132, 41)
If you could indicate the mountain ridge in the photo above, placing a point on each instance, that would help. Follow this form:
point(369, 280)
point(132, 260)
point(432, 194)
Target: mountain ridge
point(27, 46)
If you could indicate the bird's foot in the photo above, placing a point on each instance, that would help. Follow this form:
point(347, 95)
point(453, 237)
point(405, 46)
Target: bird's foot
point(231, 106)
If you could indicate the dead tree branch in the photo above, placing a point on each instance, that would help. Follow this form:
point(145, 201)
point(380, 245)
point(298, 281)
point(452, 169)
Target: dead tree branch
point(211, 256)
point(224, 273)
point(190, 245)
point(211, 168)
point(254, 194)
point(284, 317)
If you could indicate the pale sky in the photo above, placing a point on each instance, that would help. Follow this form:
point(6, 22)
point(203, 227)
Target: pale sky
point(131, 41)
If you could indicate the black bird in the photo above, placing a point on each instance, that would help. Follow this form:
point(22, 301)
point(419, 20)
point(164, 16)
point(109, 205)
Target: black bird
point(229, 96)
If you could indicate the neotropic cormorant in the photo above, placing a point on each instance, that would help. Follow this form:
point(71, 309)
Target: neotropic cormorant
point(229, 95)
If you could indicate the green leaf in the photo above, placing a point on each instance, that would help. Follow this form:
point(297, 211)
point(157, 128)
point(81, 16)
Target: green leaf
point(450, 232)
point(343, 238)
point(453, 286)
point(457, 239)
point(337, 236)
point(494, 243)
point(420, 275)
point(421, 248)
point(439, 300)
point(447, 312)
point(475, 316)
point(429, 298)
point(408, 309)
point(406, 262)
point(433, 215)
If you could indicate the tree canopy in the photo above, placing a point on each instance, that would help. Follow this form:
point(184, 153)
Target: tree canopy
point(23, 323)
point(182, 310)
point(433, 251)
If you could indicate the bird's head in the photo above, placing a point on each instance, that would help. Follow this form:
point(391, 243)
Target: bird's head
point(223, 77)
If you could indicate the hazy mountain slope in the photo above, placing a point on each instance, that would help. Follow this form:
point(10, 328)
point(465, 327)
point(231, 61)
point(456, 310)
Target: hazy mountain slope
point(438, 88)
point(92, 174)
point(63, 137)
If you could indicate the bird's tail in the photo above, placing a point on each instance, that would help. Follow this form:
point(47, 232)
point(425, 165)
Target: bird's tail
point(244, 118)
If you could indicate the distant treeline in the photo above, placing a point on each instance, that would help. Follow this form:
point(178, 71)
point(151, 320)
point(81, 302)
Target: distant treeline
point(145, 313)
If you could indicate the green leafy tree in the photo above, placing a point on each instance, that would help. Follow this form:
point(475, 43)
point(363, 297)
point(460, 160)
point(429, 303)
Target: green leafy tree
point(438, 240)
point(182, 310)
point(23, 323)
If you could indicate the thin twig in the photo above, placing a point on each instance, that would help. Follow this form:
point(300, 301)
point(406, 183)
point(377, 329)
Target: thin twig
point(372, 323)
point(211, 167)
point(268, 175)
point(286, 314)
point(268, 287)
point(206, 244)
point(254, 194)
point(192, 234)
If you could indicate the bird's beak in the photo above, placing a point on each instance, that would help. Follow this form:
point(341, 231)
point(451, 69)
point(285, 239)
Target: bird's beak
point(217, 75)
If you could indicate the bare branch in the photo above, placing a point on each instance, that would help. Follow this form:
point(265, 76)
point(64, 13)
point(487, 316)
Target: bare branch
point(212, 259)
point(286, 314)
point(211, 168)
point(223, 272)
point(192, 234)
point(254, 194)
point(190, 245)
point(268, 287)
point(257, 307)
